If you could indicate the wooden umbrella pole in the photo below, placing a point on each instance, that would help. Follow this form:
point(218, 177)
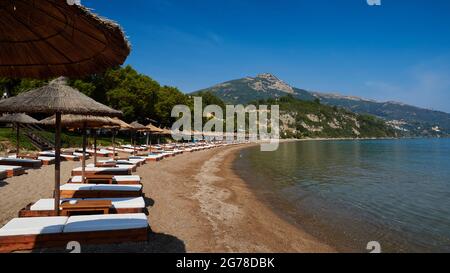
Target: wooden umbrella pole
point(114, 143)
point(95, 147)
point(57, 162)
point(17, 140)
point(134, 143)
point(83, 163)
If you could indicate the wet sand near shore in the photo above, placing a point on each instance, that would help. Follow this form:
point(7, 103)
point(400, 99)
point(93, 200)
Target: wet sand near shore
point(196, 203)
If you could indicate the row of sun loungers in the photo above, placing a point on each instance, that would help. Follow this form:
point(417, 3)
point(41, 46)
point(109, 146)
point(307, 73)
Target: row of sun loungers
point(111, 191)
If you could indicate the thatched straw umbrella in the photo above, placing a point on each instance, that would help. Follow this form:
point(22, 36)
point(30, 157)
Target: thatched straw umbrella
point(82, 122)
point(56, 98)
point(136, 127)
point(50, 38)
point(16, 120)
point(152, 130)
point(121, 125)
point(161, 132)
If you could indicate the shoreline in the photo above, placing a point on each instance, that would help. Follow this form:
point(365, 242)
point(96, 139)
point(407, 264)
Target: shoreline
point(250, 225)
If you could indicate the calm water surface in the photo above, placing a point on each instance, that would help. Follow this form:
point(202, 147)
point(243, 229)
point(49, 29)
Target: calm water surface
point(347, 193)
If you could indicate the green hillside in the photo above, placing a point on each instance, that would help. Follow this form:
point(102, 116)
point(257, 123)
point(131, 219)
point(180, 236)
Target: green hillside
point(300, 119)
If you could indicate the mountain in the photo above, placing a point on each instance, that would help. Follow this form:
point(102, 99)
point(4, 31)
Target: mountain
point(261, 87)
point(411, 120)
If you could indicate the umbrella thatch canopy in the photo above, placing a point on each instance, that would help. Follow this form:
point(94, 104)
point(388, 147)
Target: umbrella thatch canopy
point(153, 129)
point(136, 126)
point(50, 38)
point(80, 121)
point(56, 97)
point(167, 131)
point(122, 125)
point(17, 119)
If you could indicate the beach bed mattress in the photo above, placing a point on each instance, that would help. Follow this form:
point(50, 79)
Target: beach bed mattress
point(38, 232)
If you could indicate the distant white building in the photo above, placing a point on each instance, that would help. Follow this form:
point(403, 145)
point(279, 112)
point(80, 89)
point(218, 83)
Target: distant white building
point(436, 129)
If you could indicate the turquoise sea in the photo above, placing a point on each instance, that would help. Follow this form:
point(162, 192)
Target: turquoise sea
point(349, 193)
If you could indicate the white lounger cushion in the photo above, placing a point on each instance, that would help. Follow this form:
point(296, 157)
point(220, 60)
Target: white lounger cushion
point(76, 187)
point(18, 160)
point(116, 187)
point(118, 203)
point(135, 160)
point(94, 187)
point(119, 162)
point(105, 222)
point(46, 158)
point(46, 204)
point(69, 156)
point(34, 226)
point(93, 169)
point(118, 178)
point(125, 203)
point(155, 155)
point(52, 154)
point(9, 168)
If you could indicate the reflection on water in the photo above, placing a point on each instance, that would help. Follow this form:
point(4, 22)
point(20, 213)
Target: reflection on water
point(348, 193)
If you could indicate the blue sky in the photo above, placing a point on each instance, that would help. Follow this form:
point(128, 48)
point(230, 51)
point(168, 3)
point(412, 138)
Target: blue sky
point(397, 51)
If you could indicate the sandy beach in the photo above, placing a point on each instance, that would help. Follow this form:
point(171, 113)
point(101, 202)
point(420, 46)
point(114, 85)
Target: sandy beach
point(196, 203)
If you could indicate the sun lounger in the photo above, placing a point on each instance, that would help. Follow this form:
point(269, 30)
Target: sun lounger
point(102, 171)
point(80, 155)
point(45, 207)
point(47, 160)
point(168, 154)
point(109, 179)
point(12, 170)
point(27, 163)
point(46, 232)
point(65, 157)
point(150, 157)
point(135, 161)
point(123, 150)
point(133, 168)
point(130, 147)
point(100, 152)
point(74, 190)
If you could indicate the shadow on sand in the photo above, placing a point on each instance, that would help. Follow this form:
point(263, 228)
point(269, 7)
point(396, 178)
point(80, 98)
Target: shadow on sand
point(157, 243)
point(149, 202)
point(3, 183)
